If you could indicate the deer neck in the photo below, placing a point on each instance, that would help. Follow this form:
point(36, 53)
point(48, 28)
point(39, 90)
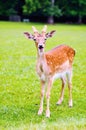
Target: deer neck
point(41, 54)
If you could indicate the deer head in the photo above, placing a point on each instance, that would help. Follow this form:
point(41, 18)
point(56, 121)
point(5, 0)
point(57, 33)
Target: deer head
point(39, 38)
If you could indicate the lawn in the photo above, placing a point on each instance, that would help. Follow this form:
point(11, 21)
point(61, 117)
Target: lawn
point(20, 86)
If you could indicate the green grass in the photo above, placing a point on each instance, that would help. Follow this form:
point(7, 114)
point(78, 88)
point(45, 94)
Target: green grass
point(20, 86)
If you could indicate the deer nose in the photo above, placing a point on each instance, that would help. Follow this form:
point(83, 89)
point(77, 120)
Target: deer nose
point(40, 46)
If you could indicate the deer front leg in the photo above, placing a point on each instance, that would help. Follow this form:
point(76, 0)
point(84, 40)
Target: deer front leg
point(42, 97)
point(48, 98)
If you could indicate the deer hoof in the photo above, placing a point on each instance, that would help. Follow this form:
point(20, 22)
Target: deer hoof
point(48, 113)
point(70, 103)
point(40, 112)
point(59, 102)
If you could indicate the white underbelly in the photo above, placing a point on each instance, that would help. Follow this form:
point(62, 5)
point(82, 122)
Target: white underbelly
point(64, 70)
point(59, 75)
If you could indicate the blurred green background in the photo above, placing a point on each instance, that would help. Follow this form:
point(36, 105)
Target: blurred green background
point(50, 11)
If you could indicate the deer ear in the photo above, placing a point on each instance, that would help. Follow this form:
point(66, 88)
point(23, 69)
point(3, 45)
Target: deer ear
point(28, 35)
point(50, 34)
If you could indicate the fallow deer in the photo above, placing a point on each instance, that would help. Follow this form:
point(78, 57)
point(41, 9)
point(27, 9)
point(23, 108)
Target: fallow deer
point(56, 63)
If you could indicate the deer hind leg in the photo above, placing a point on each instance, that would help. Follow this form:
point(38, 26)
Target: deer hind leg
point(48, 98)
point(42, 97)
point(62, 90)
point(70, 88)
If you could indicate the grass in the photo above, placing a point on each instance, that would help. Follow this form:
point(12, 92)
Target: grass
point(19, 83)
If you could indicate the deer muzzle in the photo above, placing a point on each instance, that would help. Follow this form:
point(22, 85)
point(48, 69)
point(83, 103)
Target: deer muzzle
point(40, 47)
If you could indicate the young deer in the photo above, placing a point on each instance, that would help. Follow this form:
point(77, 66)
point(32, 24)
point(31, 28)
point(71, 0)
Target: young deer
point(56, 63)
